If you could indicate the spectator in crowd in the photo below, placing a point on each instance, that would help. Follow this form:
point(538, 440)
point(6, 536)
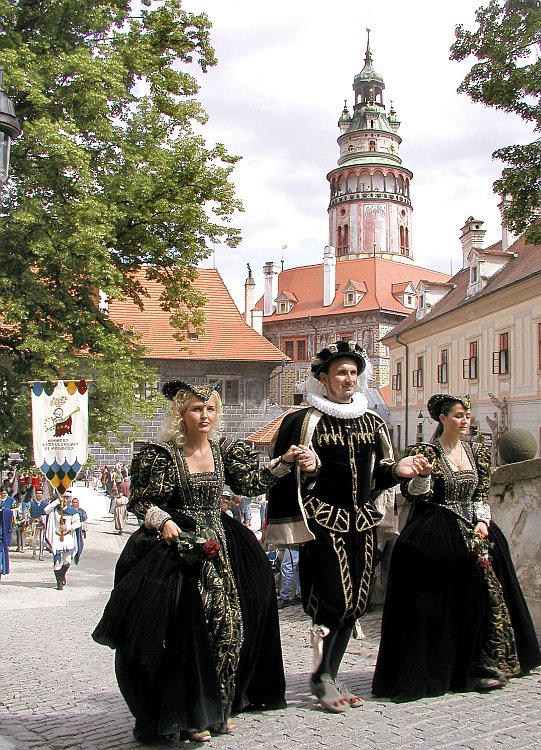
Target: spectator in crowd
point(235, 507)
point(20, 521)
point(245, 508)
point(225, 503)
point(80, 531)
point(119, 504)
point(289, 574)
point(6, 526)
point(37, 520)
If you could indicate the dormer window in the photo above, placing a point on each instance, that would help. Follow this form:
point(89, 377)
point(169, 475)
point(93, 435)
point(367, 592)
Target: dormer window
point(285, 303)
point(474, 274)
point(353, 292)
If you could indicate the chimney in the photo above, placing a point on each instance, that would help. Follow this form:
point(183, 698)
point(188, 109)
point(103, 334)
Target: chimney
point(507, 236)
point(257, 321)
point(270, 272)
point(329, 275)
point(249, 296)
point(472, 237)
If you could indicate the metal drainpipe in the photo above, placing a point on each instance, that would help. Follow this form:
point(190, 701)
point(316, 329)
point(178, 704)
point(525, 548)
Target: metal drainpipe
point(407, 379)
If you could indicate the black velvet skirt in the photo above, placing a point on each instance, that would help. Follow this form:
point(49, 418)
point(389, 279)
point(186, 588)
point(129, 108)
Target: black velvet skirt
point(155, 620)
point(435, 607)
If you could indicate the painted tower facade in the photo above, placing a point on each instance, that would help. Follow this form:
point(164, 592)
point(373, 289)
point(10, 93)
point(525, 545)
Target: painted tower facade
point(370, 209)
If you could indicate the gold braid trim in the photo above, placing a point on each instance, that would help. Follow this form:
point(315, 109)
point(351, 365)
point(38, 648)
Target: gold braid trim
point(499, 648)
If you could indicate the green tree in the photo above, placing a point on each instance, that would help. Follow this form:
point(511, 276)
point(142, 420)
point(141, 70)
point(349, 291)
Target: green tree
point(507, 45)
point(108, 176)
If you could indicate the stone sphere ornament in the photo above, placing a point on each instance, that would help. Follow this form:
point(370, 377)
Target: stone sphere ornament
point(517, 445)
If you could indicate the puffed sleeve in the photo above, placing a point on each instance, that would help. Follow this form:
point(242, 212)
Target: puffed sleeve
point(412, 489)
point(481, 508)
point(152, 484)
point(243, 472)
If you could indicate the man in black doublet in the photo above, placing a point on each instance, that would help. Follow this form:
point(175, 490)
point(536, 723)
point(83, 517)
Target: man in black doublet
point(326, 503)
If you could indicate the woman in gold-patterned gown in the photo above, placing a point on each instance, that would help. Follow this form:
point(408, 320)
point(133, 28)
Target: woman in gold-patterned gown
point(455, 618)
point(193, 612)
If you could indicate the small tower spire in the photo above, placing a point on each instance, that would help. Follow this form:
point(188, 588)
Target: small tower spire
point(368, 55)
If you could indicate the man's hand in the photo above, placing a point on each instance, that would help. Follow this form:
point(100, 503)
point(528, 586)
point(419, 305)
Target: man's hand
point(414, 466)
point(303, 455)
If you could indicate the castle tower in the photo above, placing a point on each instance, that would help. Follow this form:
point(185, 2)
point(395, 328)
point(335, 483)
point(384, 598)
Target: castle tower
point(370, 208)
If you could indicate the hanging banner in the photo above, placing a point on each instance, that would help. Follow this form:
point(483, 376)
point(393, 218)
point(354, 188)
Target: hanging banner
point(60, 430)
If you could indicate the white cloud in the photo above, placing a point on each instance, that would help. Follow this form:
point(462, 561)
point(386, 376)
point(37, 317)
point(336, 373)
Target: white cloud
point(276, 95)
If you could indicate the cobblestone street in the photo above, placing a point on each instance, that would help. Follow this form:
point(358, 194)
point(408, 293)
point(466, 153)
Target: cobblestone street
point(59, 690)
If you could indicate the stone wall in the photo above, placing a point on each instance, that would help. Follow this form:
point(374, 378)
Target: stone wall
point(515, 499)
point(244, 414)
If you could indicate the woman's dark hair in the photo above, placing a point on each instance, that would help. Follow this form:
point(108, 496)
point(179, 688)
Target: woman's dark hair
point(445, 408)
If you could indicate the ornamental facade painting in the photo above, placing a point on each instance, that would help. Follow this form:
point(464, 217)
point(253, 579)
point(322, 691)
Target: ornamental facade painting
point(374, 229)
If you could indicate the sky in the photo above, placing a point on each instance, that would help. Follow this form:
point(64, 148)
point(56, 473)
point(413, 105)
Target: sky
point(274, 98)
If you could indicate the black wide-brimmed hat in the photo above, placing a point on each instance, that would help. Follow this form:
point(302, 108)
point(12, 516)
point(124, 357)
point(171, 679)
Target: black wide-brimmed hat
point(203, 391)
point(339, 350)
point(437, 403)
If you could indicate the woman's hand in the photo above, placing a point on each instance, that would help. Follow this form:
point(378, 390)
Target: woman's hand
point(481, 529)
point(170, 532)
point(414, 466)
point(306, 459)
point(291, 455)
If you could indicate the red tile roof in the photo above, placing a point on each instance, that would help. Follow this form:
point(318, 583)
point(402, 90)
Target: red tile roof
point(227, 336)
point(379, 275)
point(265, 435)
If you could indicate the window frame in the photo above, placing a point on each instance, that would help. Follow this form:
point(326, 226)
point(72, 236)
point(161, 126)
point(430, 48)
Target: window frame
point(470, 364)
point(501, 358)
point(443, 367)
point(396, 380)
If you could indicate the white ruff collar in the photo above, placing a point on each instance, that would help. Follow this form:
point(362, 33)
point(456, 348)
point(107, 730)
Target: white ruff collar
point(357, 407)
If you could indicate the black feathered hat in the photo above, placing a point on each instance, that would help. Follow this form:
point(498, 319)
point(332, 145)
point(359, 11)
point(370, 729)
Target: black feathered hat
point(203, 391)
point(339, 350)
point(436, 403)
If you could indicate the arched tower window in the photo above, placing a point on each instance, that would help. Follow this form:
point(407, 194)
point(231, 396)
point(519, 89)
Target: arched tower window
point(339, 241)
point(402, 242)
point(346, 238)
point(407, 240)
point(371, 145)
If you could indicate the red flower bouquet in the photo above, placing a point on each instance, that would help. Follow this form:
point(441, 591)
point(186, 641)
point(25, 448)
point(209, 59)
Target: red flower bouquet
point(194, 546)
point(478, 550)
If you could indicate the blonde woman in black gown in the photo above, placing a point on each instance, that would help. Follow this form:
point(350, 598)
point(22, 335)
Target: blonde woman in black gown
point(193, 614)
point(455, 618)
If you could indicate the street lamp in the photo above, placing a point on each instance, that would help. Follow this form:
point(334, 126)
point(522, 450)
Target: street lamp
point(10, 128)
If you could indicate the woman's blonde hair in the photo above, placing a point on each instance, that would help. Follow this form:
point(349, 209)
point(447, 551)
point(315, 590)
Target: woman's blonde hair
point(174, 428)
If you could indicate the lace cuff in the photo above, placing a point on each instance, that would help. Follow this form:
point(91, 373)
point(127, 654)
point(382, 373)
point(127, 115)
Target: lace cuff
point(279, 468)
point(155, 518)
point(419, 486)
point(481, 512)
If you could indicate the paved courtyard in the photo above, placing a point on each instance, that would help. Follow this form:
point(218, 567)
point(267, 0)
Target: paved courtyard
point(58, 689)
